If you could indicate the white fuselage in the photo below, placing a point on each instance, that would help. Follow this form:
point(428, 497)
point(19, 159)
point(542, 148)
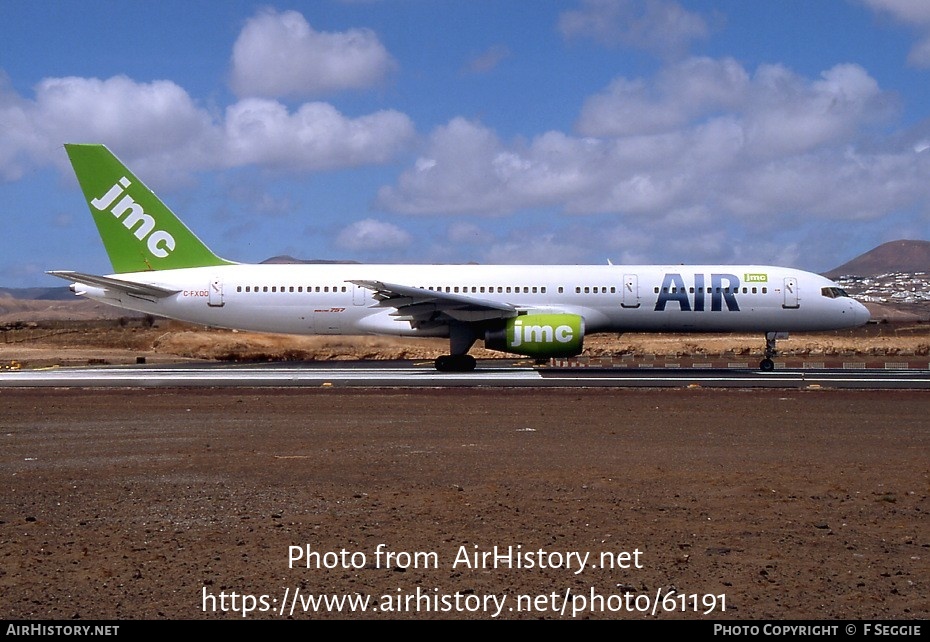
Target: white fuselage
point(321, 298)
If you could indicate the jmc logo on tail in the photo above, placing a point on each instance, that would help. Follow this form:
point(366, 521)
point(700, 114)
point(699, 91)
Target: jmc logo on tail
point(159, 242)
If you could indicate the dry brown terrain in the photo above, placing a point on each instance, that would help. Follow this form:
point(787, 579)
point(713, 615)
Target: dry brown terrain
point(119, 341)
point(765, 504)
point(162, 504)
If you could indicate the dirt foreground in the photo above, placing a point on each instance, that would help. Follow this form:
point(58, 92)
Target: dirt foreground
point(626, 504)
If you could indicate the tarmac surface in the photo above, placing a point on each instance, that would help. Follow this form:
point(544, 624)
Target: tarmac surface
point(645, 503)
point(491, 373)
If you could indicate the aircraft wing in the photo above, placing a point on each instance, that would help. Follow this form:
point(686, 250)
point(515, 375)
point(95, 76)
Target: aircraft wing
point(430, 307)
point(118, 285)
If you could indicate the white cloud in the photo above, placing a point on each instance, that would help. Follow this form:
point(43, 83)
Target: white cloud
point(466, 168)
point(18, 140)
point(140, 116)
point(156, 122)
point(777, 109)
point(916, 14)
point(315, 137)
point(156, 125)
point(729, 148)
point(659, 26)
point(787, 114)
point(162, 131)
point(280, 54)
point(167, 136)
point(372, 235)
point(682, 92)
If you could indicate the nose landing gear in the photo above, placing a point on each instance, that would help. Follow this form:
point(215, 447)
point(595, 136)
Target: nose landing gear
point(767, 365)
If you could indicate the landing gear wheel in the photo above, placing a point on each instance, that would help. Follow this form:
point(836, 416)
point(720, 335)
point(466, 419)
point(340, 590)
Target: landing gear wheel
point(767, 365)
point(455, 363)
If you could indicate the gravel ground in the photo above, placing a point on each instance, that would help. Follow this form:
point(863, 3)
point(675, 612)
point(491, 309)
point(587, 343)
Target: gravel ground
point(184, 504)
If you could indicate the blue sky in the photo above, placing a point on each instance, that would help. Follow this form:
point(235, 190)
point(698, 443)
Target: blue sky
point(506, 131)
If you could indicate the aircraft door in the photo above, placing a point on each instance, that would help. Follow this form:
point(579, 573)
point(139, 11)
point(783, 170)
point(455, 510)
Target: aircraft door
point(359, 295)
point(215, 296)
point(630, 297)
point(791, 293)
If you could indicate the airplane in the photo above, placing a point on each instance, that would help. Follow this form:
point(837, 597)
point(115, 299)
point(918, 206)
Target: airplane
point(540, 311)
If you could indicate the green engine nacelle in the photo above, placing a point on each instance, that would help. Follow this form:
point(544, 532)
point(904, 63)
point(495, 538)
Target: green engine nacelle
point(539, 335)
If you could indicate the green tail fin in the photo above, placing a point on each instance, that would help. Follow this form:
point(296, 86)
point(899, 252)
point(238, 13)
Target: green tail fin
point(139, 232)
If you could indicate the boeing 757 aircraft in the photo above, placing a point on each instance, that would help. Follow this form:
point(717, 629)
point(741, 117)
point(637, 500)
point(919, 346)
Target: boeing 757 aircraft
point(542, 311)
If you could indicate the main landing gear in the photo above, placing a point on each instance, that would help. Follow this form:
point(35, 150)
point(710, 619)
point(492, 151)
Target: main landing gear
point(455, 363)
point(461, 338)
point(767, 365)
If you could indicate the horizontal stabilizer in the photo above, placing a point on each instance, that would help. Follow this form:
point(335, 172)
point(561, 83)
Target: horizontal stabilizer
point(114, 284)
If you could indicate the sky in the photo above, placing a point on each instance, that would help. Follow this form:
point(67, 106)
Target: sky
point(791, 133)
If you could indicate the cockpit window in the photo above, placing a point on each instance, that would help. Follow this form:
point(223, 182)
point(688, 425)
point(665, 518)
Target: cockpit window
point(833, 293)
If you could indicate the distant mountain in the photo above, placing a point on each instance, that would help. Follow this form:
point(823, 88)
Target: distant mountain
point(284, 258)
point(38, 294)
point(894, 256)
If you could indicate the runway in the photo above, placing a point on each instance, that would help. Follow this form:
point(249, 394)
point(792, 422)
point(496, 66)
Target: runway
point(423, 375)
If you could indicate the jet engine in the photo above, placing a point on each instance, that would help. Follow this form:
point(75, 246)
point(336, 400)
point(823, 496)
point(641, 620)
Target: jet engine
point(538, 335)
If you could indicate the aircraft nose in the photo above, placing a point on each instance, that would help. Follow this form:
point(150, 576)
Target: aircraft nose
point(860, 313)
